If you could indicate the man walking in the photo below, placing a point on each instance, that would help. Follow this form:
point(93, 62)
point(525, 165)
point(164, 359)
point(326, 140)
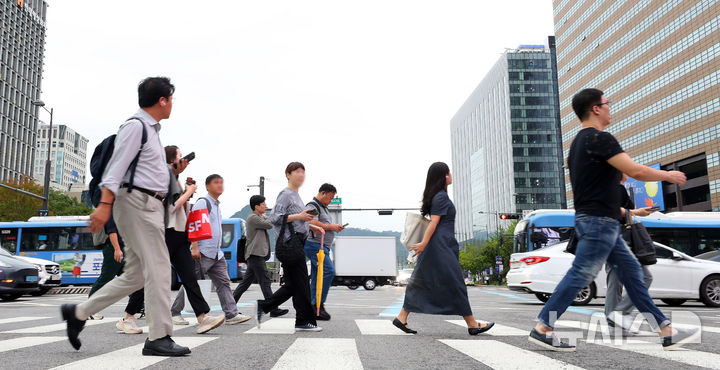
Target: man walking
point(596, 162)
point(312, 246)
point(257, 251)
point(210, 255)
point(134, 186)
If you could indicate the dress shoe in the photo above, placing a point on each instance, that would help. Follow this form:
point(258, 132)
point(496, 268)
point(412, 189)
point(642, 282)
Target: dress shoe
point(481, 329)
point(278, 312)
point(324, 315)
point(398, 324)
point(74, 326)
point(164, 346)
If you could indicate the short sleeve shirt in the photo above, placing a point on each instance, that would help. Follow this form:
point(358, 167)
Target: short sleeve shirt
point(594, 180)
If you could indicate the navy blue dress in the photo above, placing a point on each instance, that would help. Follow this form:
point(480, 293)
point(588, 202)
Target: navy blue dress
point(437, 285)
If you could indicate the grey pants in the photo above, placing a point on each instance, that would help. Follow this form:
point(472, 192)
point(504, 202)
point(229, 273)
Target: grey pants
point(139, 218)
point(614, 299)
point(217, 271)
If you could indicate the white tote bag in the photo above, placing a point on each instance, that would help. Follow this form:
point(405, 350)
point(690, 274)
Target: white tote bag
point(415, 226)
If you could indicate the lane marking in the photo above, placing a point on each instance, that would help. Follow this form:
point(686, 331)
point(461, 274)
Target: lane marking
point(57, 327)
point(393, 309)
point(131, 357)
point(497, 330)
point(603, 327)
point(378, 327)
point(18, 343)
point(498, 355)
point(21, 319)
point(274, 326)
point(320, 353)
point(584, 311)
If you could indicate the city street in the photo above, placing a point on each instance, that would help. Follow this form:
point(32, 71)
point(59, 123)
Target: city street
point(360, 335)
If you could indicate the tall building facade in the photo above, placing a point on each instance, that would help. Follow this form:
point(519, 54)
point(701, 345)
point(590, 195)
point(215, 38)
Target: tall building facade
point(21, 65)
point(658, 62)
point(68, 157)
point(506, 143)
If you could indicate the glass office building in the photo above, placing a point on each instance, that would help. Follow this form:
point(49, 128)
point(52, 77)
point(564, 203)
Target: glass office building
point(506, 150)
point(658, 62)
point(68, 157)
point(21, 66)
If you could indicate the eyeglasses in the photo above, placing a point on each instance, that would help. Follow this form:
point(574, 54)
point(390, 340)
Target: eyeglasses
point(609, 104)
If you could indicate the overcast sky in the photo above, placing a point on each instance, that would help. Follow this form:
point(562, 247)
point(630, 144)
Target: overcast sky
point(361, 92)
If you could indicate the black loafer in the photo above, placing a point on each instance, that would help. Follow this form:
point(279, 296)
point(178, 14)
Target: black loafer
point(324, 315)
point(549, 342)
point(278, 312)
point(164, 347)
point(682, 337)
point(260, 313)
point(74, 326)
point(480, 330)
point(403, 327)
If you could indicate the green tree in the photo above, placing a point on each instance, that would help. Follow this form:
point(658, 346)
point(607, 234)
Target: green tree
point(63, 205)
point(16, 206)
point(478, 256)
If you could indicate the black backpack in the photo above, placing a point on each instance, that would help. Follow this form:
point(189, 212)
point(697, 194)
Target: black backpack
point(101, 157)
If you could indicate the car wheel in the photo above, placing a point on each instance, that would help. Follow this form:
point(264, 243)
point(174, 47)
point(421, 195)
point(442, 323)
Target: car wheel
point(174, 281)
point(585, 296)
point(710, 291)
point(10, 297)
point(40, 292)
point(673, 301)
point(369, 284)
point(542, 297)
point(353, 287)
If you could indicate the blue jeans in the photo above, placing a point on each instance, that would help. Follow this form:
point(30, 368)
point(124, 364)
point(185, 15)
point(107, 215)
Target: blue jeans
point(311, 251)
point(599, 242)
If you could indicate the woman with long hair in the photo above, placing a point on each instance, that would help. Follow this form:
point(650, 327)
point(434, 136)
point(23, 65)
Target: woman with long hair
point(437, 286)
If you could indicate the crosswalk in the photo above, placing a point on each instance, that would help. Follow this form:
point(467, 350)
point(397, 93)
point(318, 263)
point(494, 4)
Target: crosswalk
point(503, 347)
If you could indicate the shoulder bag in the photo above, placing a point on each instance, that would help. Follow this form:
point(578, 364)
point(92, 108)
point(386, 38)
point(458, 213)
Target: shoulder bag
point(640, 242)
point(292, 250)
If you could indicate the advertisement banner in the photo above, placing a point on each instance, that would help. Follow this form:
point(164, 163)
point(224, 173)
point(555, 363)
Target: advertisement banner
point(646, 193)
point(79, 264)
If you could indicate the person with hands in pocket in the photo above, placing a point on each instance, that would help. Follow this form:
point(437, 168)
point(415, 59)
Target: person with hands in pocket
point(437, 285)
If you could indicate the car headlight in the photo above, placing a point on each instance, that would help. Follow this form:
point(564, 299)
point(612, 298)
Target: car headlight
point(39, 267)
point(3, 264)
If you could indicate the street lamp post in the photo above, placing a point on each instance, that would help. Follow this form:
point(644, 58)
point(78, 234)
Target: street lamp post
point(46, 183)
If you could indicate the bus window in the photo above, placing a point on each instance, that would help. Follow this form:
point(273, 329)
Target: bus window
point(708, 240)
point(56, 239)
point(678, 239)
point(542, 237)
point(8, 239)
point(520, 238)
point(228, 235)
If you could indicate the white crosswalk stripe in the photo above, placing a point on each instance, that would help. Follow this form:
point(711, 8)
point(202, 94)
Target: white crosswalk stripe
point(320, 353)
point(499, 355)
point(274, 326)
point(17, 343)
point(596, 326)
point(497, 330)
point(687, 356)
point(57, 327)
point(378, 327)
point(131, 357)
point(13, 320)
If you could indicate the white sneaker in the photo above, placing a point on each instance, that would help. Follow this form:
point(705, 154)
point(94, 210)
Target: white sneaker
point(96, 316)
point(239, 318)
point(209, 323)
point(179, 320)
point(128, 326)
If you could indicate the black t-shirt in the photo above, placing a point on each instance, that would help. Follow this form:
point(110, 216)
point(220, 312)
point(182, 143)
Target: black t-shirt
point(594, 181)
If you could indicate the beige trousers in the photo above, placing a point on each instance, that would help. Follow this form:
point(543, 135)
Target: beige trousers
point(140, 222)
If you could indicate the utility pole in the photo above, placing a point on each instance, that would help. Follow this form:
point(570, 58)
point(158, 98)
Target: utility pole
point(260, 185)
point(46, 184)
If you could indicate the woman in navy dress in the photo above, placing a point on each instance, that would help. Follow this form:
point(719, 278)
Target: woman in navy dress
point(437, 285)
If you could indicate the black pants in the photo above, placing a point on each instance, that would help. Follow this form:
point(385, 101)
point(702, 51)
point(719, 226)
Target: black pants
point(110, 269)
point(256, 270)
point(180, 257)
point(295, 286)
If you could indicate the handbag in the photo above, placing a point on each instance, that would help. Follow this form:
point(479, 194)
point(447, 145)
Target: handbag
point(572, 243)
point(640, 242)
point(415, 226)
point(198, 224)
point(292, 250)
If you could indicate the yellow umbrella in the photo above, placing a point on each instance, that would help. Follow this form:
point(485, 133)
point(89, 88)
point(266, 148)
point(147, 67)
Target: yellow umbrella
point(319, 285)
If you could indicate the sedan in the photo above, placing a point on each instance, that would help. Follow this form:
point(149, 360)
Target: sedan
point(49, 275)
point(677, 277)
point(17, 277)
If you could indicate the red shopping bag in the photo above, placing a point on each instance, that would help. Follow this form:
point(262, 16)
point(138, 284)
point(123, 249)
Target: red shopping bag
point(198, 226)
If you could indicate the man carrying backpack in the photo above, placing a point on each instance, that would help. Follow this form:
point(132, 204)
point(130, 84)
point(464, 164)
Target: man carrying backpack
point(134, 186)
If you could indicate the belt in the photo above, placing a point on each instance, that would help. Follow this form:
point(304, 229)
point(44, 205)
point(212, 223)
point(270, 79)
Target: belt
point(157, 195)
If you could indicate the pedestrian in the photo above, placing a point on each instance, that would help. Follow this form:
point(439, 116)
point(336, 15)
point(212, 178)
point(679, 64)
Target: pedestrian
point(210, 256)
point(178, 245)
point(312, 246)
point(257, 251)
point(437, 285)
point(596, 161)
point(290, 208)
point(134, 185)
point(617, 306)
point(113, 266)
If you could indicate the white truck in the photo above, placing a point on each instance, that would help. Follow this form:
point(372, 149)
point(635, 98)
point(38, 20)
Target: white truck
point(366, 261)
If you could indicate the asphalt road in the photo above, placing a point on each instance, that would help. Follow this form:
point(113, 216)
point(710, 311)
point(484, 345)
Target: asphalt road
point(359, 336)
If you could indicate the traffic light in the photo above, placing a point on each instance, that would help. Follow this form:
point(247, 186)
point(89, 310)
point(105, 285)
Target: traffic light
point(509, 216)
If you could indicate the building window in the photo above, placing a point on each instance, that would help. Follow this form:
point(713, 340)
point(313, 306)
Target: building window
point(695, 194)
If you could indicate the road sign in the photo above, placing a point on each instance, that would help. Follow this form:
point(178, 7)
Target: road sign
point(43, 212)
point(498, 260)
point(336, 201)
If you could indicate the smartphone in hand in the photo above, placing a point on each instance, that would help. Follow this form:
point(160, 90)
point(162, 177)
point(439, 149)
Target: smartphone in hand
point(346, 225)
point(313, 211)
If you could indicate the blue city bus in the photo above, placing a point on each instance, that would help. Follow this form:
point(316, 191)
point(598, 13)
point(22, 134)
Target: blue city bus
point(67, 241)
point(692, 233)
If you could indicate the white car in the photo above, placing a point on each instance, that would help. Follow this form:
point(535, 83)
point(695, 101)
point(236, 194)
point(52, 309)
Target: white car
point(49, 275)
point(677, 277)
